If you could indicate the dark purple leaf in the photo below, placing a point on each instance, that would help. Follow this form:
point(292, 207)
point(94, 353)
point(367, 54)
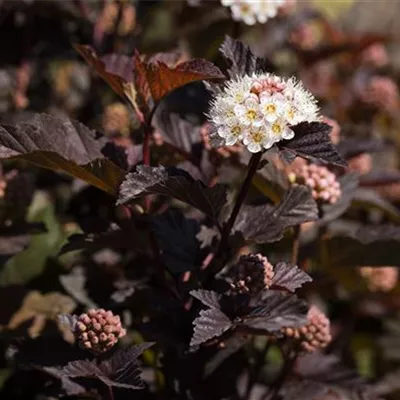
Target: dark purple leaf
point(289, 276)
point(115, 69)
point(348, 185)
point(354, 146)
point(311, 141)
point(372, 200)
point(176, 238)
point(207, 297)
point(174, 183)
point(210, 324)
point(374, 245)
point(68, 386)
point(120, 370)
point(61, 144)
point(177, 131)
point(276, 311)
point(380, 177)
point(327, 369)
point(267, 223)
point(232, 345)
point(243, 61)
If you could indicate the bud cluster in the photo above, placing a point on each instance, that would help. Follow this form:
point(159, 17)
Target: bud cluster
point(381, 279)
point(324, 185)
point(251, 274)
point(315, 334)
point(98, 330)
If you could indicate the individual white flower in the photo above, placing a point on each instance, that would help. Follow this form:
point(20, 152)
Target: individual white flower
point(256, 139)
point(249, 113)
point(224, 111)
point(280, 130)
point(238, 90)
point(244, 10)
point(268, 9)
point(272, 107)
point(231, 133)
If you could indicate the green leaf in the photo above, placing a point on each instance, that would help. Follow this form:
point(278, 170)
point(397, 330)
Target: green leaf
point(31, 262)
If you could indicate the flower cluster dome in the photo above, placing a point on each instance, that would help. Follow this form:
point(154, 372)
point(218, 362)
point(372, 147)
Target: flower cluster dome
point(259, 110)
point(252, 11)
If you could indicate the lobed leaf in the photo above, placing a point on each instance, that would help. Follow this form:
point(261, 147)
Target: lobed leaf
point(311, 141)
point(162, 80)
point(243, 61)
point(276, 311)
point(289, 276)
point(207, 297)
point(120, 370)
point(176, 183)
point(61, 144)
point(210, 324)
point(115, 69)
point(267, 223)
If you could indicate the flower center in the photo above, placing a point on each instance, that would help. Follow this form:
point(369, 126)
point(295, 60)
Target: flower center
point(236, 131)
point(245, 8)
point(257, 137)
point(276, 129)
point(270, 108)
point(251, 115)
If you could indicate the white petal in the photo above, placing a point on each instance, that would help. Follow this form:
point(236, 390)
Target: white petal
point(231, 140)
point(271, 117)
point(287, 133)
point(254, 147)
point(240, 111)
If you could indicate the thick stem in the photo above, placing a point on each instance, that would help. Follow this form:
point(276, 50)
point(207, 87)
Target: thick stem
point(226, 230)
point(253, 164)
point(296, 245)
point(110, 393)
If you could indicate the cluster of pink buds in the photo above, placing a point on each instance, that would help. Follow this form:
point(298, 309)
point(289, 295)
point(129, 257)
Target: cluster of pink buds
point(270, 85)
point(325, 187)
point(382, 279)
point(251, 274)
point(98, 330)
point(315, 334)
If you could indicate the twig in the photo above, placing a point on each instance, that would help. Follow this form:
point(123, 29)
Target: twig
point(296, 245)
point(286, 369)
point(253, 165)
point(255, 371)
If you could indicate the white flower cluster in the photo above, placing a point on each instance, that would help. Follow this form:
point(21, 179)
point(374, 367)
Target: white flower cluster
point(252, 11)
point(259, 110)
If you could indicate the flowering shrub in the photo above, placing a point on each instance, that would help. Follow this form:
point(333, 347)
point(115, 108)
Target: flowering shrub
point(181, 218)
